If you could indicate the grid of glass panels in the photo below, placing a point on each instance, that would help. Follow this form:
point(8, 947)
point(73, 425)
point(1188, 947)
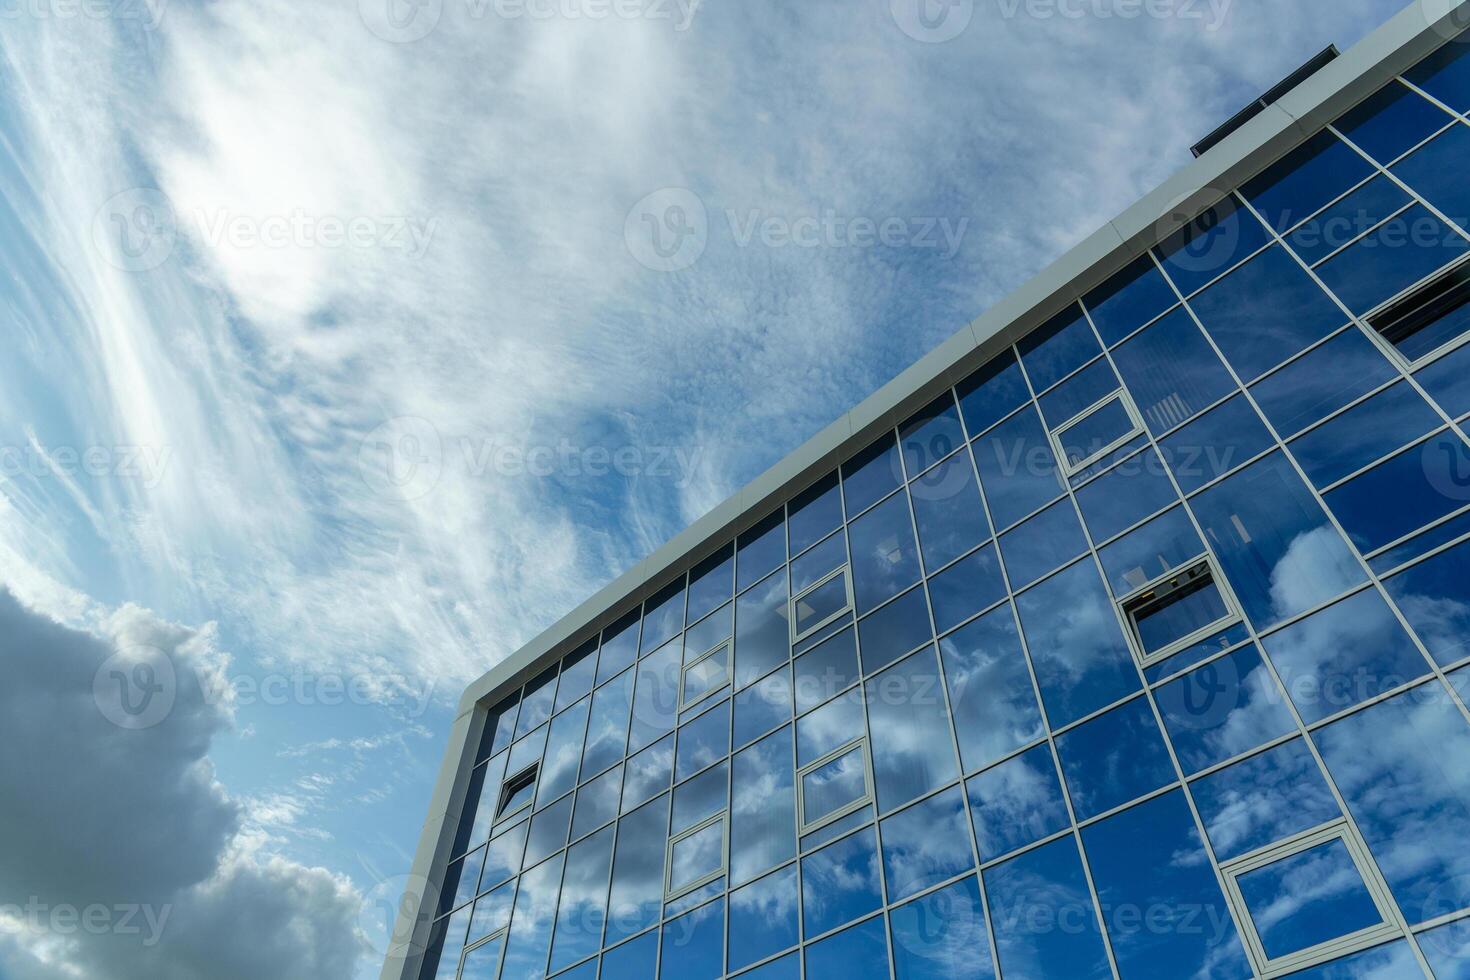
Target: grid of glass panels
point(1140, 653)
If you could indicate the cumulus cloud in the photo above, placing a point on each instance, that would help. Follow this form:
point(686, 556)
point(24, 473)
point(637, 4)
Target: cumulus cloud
point(125, 858)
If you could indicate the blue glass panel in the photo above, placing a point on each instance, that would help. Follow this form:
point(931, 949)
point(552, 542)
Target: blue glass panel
point(1016, 803)
point(1222, 709)
point(648, 773)
point(1288, 921)
point(990, 692)
point(1211, 243)
point(1434, 597)
point(1432, 170)
point(529, 941)
point(1322, 169)
point(1079, 393)
point(894, 630)
point(926, 844)
point(549, 830)
point(930, 435)
point(884, 558)
point(1448, 382)
point(619, 646)
point(1447, 949)
point(1116, 501)
point(1425, 483)
point(1058, 347)
point(760, 550)
point(578, 669)
point(499, 727)
point(1094, 436)
point(1390, 419)
point(537, 702)
point(1263, 799)
point(1400, 766)
point(1150, 857)
point(482, 962)
point(1392, 122)
point(943, 936)
point(607, 731)
point(871, 474)
point(762, 630)
point(694, 945)
point(763, 706)
point(656, 696)
point(492, 911)
point(703, 741)
point(1082, 661)
point(966, 587)
point(587, 971)
point(1266, 311)
point(663, 616)
point(597, 802)
point(712, 629)
point(840, 883)
point(563, 753)
point(859, 953)
point(1045, 922)
point(1129, 300)
point(583, 907)
point(1346, 220)
point(1232, 636)
point(948, 511)
point(701, 797)
point(763, 918)
point(638, 870)
point(1278, 549)
point(1114, 758)
point(1172, 372)
point(1344, 655)
point(836, 724)
point(1391, 258)
point(1045, 542)
point(830, 668)
point(1392, 962)
point(1215, 443)
point(763, 811)
point(992, 393)
point(1017, 468)
point(1160, 546)
point(1308, 390)
point(712, 582)
point(818, 561)
point(786, 968)
point(910, 733)
point(814, 513)
point(503, 856)
point(1422, 544)
point(637, 960)
point(1445, 74)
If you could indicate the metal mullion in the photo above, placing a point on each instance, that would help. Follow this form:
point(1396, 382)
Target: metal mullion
point(1425, 94)
point(1068, 377)
point(1114, 539)
point(1400, 542)
point(1245, 756)
point(1035, 845)
point(1339, 412)
point(1003, 419)
point(1216, 481)
point(1442, 920)
point(1406, 447)
point(955, 561)
point(1315, 345)
point(1432, 553)
point(1112, 467)
point(1403, 687)
point(1217, 655)
point(1360, 237)
point(1293, 229)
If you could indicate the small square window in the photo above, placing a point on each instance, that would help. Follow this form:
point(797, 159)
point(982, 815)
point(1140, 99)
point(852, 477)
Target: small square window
point(1429, 319)
point(1308, 900)
point(696, 857)
point(833, 786)
point(821, 604)
point(517, 792)
point(1095, 432)
point(1178, 610)
point(704, 675)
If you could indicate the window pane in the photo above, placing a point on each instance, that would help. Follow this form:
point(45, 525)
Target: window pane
point(759, 550)
point(1265, 312)
point(1425, 483)
point(1082, 661)
point(1307, 898)
point(663, 616)
point(1346, 220)
point(990, 690)
point(577, 671)
point(1016, 803)
point(563, 753)
point(829, 728)
point(1172, 372)
point(809, 569)
point(871, 474)
point(1017, 468)
point(834, 785)
point(537, 702)
point(619, 647)
point(597, 802)
point(1391, 962)
point(694, 945)
point(763, 811)
point(1058, 347)
point(815, 513)
point(911, 741)
point(492, 911)
point(884, 559)
point(530, 925)
point(840, 883)
point(1263, 799)
point(1346, 367)
point(1216, 443)
point(549, 830)
point(926, 844)
point(1392, 258)
point(1445, 75)
point(1306, 180)
point(1183, 612)
point(1097, 432)
point(1276, 546)
point(703, 635)
point(1150, 857)
point(1222, 709)
point(648, 773)
point(1160, 546)
point(703, 741)
point(943, 936)
point(1448, 382)
point(787, 967)
point(706, 675)
point(1045, 921)
point(1079, 393)
point(1129, 300)
point(1434, 597)
point(1392, 122)
point(930, 435)
point(482, 962)
point(1344, 655)
point(638, 870)
point(1135, 489)
point(696, 856)
point(763, 918)
point(992, 393)
point(948, 511)
point(1372, 430)
point(1425, 172)
point(656, 696)
point(894, 630)
point(762, 631)
point(763, 706)
point(636, 961)
point(701, 797)
point(1043, 543)
point(1114, 758)
point(503, 856)
point(1447, 949)
point(859, 953)
point(1210, 244)
point(1400, 767)
point(711, 583)
point(583, 906)
point(966, 587)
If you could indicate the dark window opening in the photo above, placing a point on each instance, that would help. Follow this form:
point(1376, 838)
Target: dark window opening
point(1430, 317)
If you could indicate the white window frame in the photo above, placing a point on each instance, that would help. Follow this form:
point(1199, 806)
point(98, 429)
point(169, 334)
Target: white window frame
point(499, 935)
point(1374, 935)
point(845, 570)
point(803, 827)
point(500, 800)
point(727, 644)
point(1127, 607)
point(1055, 434)
point(671, 892)
point(1460, 266)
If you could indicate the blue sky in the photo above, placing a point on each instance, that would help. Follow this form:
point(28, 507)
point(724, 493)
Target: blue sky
point(347, 351)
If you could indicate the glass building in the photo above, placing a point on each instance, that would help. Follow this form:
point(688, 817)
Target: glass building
point(1128, 635)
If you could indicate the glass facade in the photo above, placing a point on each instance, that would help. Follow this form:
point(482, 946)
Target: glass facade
point(1141, 653)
